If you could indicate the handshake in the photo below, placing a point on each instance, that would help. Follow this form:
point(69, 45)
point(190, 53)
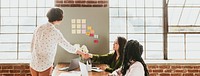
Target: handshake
point(83, 51)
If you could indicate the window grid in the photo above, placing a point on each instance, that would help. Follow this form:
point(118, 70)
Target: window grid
point(27, 17)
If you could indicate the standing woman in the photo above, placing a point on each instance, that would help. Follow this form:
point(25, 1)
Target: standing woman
point(113, 60)
point(44, 44)
point(133, 64)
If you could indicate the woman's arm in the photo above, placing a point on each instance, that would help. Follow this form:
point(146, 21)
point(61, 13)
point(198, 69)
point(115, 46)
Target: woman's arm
point(103, 59)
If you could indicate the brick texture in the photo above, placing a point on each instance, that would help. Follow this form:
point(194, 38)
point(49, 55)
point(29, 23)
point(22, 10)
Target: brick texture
point(154, 69)
point(81, 3)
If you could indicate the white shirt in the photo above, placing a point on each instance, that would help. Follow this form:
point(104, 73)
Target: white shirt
point(135, 69)
point(44, 46)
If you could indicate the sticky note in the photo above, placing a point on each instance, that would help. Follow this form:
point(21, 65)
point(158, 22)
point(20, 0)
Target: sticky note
point(91, 35)
point(89, 27)
point(96, 36)
point(96, 41)
point(73, 21)
point(83, 31)
point(87, 33)
point(78, 20)
point(73, 31)
point(73, 25)
point(83, 25)
point(83, 20)
point(78, 31)
point(78, 25)
point(92, 31)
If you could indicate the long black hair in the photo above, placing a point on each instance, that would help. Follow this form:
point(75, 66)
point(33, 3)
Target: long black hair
point(133, 51)
point(122, 42)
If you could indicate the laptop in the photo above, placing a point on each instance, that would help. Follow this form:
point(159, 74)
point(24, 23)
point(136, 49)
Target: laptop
point(83, 68)
point(73, 65)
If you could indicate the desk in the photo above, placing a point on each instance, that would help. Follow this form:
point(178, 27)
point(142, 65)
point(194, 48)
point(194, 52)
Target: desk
point(56, 72)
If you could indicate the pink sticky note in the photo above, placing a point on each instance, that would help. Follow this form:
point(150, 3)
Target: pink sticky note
point(96, 41)
point(91, 35)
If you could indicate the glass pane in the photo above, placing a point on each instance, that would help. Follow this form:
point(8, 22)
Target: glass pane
point(122, 3)
point(154, 46)
point(26, 29)
point(153, 12)
point(13, 3)
point(140, 12)
point(131, 11)
point(154, 37)
point(41, 20)
point(8, 55)
point(176, 50)
point(25, 37)
point(23, 3)
point(140, 3)
point(176, 2)
point(135, 29)
point(9, 21)
point(154, 29)
point(154, 21)
point(184, 29)
point(41, 11)
point(24, 47)
point(153, 3)
point(9, 29)
point(31, 11)
point(5, 3)
point(192, 51)
point(117, 25)
point(8, 37)
point(136, 22)
point(113, 3)
point(177, 38)
point(50, 3)
point(193, 38)
point(113, 12)
point(23, 11)
point(154, 54)
point(131, 3)
point(32, 3)
point(5, 12)
point(138, 37)
point(8, 47)
point(174, 14)
point(13, 11)
point(189, 16)
point(198, 22)
point(27, 21)
point(24, 55)
point(192, 3)
point(41, 3)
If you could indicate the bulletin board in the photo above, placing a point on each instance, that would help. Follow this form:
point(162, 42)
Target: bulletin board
point(85, 26)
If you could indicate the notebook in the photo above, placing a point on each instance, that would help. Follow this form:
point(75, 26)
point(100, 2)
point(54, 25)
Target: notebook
point(83, 68)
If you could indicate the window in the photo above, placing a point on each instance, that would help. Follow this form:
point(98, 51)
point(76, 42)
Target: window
point(143, 20)
point(18, 19)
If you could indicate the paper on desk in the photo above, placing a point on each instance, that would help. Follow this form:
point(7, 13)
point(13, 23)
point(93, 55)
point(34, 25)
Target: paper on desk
point(71, 73)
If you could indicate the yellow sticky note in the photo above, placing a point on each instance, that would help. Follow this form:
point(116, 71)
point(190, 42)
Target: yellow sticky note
point(73, 31)
point(73, 21)
point(73, 25)
point(87, 33)
point(78, 31)
point(78, 21)
point(83, 20)
point(92, 31)
point(78, 25)
point(89, 27)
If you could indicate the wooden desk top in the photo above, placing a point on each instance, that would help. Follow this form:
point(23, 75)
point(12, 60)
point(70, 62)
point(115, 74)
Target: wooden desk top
point(56, 72)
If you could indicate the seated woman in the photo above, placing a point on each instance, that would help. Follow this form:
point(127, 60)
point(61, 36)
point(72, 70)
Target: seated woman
point(133, 64)
point(113, 60)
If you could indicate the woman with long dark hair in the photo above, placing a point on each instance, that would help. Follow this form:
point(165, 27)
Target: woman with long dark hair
point(113, 60)
point(133, 64)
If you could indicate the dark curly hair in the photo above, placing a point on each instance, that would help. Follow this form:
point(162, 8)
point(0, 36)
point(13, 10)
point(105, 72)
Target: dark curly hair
point(133, 51)
point(55, 14)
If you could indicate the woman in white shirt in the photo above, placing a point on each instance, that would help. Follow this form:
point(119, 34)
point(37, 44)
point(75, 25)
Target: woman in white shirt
point(44, 44)
point(133, 64)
